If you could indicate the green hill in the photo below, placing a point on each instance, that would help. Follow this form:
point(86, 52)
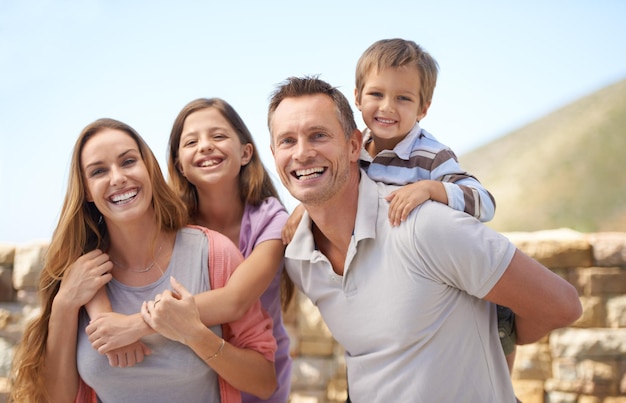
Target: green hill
point(567, 169)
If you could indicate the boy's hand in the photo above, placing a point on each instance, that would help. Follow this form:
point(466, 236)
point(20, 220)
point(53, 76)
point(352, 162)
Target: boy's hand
point(292, 223)
point(128, 356)
point(402, 201)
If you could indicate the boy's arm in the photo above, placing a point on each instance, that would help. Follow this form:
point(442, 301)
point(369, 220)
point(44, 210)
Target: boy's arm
point(464, 192)
point(292, 223)
point(447, 183)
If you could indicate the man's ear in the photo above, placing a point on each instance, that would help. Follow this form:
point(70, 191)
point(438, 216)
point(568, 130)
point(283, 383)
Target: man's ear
point(356, 141)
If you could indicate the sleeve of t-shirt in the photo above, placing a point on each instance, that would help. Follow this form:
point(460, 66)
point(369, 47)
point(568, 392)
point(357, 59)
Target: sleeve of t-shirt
point(458, 250)
point(269, 220)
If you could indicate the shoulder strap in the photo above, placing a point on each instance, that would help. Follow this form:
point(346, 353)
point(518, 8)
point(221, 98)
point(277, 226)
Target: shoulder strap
point(217, 278)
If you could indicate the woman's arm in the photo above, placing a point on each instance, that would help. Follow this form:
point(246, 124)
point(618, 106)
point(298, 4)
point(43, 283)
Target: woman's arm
point(115, 335)
point(110, 332)
point(82, 280)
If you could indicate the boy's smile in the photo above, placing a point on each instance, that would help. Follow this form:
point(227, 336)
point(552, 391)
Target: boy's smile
point(390, 104)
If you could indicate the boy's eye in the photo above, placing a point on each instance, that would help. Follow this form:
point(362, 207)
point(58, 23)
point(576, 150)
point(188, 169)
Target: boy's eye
point(375, 94)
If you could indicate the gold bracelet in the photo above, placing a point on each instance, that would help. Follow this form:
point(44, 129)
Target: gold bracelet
point(217, 353)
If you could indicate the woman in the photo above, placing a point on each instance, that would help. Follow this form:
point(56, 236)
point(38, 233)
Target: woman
point(117, 201)
point(213, 165)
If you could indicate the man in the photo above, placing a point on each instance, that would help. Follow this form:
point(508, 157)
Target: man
point(414, 306)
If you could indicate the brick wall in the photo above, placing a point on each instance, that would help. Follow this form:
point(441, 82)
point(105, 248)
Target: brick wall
point(584, 363)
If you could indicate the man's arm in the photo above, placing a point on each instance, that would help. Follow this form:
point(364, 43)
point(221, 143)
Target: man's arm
point(542, 301)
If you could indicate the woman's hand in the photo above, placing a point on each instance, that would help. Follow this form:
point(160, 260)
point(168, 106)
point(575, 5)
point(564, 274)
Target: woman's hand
point(84, 278)
point(128, 356)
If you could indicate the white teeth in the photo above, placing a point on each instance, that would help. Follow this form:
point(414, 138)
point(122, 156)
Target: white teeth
point(122, 197)
point(389, 121)
point(309, 173)
point(208, 163)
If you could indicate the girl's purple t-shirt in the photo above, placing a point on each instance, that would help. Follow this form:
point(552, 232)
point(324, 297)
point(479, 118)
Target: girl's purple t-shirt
point(262, 223)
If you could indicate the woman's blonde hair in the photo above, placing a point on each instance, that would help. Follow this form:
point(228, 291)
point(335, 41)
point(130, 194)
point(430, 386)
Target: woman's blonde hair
point(81, 229)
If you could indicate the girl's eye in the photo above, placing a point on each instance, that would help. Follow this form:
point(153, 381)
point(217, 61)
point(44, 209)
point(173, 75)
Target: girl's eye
point(129, 161)
point(189, 143)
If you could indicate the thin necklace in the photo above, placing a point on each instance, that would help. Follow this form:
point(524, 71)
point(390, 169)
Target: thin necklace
point(147, 269)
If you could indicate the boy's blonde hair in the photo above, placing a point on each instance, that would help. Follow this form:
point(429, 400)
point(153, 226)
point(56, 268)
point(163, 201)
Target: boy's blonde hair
point(388, 53)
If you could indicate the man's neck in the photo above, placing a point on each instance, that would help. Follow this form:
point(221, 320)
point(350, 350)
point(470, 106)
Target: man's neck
point(333, 224)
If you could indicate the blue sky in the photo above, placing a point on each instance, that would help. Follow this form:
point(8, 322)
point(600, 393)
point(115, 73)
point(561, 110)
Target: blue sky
point(66, 63)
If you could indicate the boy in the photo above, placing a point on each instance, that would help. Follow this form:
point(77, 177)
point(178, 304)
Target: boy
point(395, 81)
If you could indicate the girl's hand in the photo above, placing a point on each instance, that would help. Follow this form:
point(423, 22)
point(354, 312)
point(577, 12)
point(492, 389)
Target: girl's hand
point(173, 314)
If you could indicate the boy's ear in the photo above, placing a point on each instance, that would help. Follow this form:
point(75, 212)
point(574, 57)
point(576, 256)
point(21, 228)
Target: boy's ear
point(356, 99)
point(422, 114)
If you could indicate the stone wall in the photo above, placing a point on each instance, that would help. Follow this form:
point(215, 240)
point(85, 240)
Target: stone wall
point(584, 363)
